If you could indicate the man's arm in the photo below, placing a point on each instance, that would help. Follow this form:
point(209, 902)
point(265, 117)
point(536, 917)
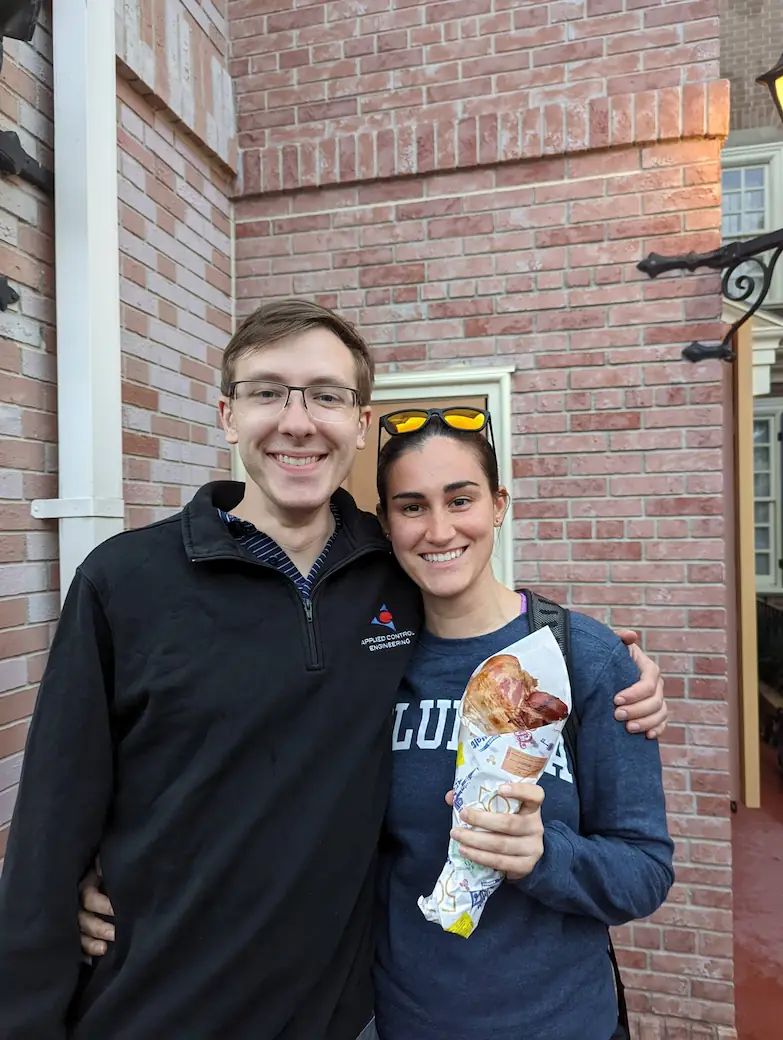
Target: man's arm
point(63, 799)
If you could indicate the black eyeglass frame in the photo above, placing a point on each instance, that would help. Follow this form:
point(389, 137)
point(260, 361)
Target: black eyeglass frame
point(302, 389)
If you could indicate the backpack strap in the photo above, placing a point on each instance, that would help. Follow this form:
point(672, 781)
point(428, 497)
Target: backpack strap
point(544, 613)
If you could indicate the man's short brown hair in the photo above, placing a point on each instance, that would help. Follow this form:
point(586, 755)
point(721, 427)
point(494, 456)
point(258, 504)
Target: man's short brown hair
point(274, 321)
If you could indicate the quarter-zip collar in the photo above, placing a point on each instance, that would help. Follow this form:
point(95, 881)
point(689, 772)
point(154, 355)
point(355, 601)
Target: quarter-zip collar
point(206, 536)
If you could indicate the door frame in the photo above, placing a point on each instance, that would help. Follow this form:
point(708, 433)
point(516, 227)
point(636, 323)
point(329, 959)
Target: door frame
point(492, 382)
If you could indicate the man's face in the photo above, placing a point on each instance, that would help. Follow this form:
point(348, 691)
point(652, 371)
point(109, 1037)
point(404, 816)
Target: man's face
point(296, 462)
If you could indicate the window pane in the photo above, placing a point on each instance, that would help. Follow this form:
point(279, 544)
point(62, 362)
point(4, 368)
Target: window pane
point(732, 203)
point(761, 512)
point(761, 485)
point(755, 222)
point(762, 564)
point(754, 200)
point(761, 431)
point(762, 538)
point(732, 179)
point(761, 458)
point(754, 177)
point(732, 224)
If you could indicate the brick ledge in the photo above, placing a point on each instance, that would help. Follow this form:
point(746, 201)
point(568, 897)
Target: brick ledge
point(696, 110)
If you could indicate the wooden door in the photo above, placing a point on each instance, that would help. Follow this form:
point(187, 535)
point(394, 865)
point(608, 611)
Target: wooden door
point(361, 479)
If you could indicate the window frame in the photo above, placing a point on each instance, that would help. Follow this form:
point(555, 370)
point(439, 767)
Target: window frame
point(769, 154)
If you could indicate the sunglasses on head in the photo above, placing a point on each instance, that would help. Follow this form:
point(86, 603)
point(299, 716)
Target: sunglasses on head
point(409, 420)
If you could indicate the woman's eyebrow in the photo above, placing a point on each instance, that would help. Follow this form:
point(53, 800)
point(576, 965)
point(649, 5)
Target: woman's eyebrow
point(458, 485)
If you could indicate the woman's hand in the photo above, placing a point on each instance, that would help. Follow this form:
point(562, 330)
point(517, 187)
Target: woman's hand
point(95, 933)
point(642, 707)
point(511, 842)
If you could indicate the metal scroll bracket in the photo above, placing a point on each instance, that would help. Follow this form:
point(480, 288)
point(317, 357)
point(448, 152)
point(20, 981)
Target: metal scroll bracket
point(728, 259)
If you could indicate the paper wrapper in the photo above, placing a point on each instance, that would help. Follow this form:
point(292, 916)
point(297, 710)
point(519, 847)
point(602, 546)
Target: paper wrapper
point(511, 716)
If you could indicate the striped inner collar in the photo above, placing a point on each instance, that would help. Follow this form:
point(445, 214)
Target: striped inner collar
point(269, 552)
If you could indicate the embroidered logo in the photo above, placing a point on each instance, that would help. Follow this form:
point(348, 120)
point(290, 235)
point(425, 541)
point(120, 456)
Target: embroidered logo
point(384, 617)
point(388, 640)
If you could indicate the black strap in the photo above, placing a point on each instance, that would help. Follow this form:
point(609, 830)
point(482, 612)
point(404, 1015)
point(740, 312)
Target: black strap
point(544, 613)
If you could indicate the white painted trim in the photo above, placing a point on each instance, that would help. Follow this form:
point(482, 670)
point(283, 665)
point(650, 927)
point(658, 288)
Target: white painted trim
point(766, 337)
point(494, 383)
point(60, 508)
point(772, 408)
point(89, 406)
point(238, 471)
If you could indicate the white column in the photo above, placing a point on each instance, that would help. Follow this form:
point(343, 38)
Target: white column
point(90, 507)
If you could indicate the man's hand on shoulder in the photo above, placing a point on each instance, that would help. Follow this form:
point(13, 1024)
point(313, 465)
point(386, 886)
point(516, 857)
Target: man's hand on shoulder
point(642, 707)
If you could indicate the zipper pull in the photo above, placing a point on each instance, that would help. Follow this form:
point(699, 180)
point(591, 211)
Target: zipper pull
point(308, 606)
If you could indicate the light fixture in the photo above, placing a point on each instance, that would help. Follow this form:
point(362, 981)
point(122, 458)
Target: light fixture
point(8, 294)
point(773, 81)
point(747, 272)
point(18, 19)
point(15, 162)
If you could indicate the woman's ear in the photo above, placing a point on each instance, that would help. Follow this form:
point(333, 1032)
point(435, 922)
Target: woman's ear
point(382, 520)
point(502, 503)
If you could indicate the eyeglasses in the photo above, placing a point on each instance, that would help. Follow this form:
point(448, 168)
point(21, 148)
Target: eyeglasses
point(409, 420)
point(329, 404)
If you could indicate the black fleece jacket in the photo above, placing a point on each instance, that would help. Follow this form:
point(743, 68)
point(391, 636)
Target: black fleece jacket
point(225, 747)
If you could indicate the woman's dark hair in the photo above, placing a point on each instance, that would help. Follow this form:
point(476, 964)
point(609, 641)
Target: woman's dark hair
point(398, 445)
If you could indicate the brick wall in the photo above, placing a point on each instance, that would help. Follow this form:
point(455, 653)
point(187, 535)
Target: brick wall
point(176, 53)
point(175, 290)
point(482, 180)
point(751, 43)
point(29, 601)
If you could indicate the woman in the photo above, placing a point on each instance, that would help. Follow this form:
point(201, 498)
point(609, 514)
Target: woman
point(594, 852)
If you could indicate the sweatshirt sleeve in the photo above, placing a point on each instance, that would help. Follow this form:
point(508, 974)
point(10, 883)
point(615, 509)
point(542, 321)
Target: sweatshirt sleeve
point(63, 798)
point(619, 868)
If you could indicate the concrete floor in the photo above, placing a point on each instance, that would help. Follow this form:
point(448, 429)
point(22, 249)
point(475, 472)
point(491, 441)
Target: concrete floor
point(757, 838)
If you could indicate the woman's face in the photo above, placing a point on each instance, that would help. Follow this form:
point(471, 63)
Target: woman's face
point(441, 516)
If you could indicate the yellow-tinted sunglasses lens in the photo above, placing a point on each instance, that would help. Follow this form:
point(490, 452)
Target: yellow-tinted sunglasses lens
point(406, 422)
point(464, 418)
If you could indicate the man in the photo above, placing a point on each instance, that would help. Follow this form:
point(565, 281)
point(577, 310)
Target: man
point(214, 723)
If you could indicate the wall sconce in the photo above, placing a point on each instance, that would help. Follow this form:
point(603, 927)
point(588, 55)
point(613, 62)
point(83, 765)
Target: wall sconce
point(773, 81)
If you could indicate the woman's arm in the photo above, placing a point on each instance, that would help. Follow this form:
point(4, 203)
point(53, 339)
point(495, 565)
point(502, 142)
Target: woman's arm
point(619, 867)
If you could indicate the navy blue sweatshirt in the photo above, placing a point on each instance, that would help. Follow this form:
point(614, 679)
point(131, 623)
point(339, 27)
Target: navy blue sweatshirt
point(537, 966)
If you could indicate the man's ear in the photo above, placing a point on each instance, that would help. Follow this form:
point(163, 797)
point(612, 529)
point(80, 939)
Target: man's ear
point(365, 419)
point(227, 420)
